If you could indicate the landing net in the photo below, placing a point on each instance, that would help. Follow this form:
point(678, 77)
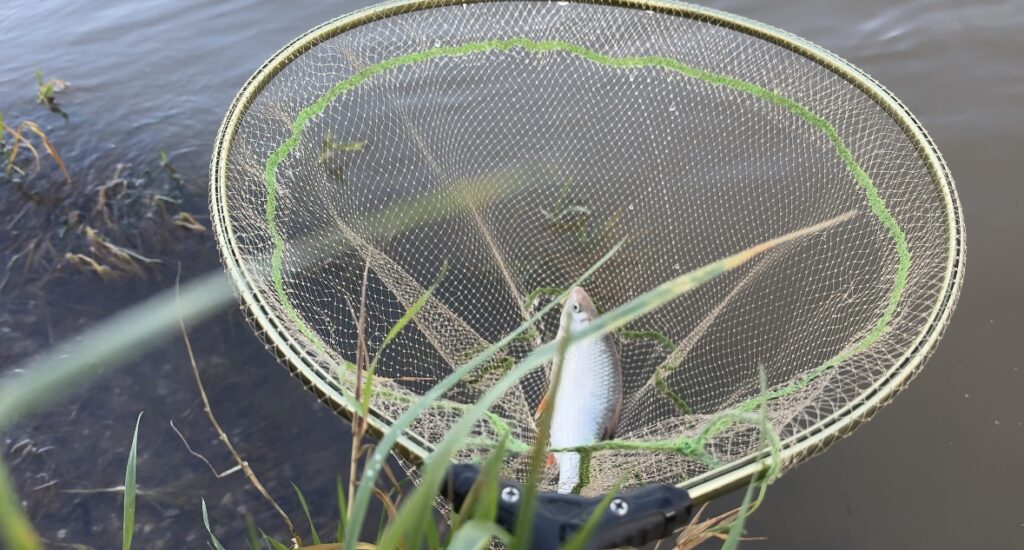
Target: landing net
point(501, 148)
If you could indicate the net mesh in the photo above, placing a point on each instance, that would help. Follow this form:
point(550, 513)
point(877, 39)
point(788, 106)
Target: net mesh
point(509, 145)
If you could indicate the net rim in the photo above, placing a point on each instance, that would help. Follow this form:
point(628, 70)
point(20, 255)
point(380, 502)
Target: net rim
point(297, 355)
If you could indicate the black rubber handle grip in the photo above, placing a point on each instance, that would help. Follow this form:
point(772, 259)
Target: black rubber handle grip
point(632, 518)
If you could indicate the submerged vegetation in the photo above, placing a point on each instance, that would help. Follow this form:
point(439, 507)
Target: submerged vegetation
point(102, 228)
point(21, 156)
point(46, 90)
point(116, 229)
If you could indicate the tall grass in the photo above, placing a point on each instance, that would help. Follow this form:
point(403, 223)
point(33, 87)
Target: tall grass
point(206, 521)
point(436, 464)
point(46, 378)
point(128, 521)
point(112, 343)
point(16, 530)
point(372, 470)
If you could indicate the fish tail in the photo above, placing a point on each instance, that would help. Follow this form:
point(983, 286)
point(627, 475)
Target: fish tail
point(568, 471)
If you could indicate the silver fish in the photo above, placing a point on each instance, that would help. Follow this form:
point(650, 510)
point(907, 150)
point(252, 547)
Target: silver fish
point(588, 402)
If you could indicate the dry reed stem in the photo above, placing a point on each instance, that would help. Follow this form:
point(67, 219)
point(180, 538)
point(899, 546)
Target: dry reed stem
point(362, 362)
point(697, 532)
point(216, 474)
point(35, 129)
point(189, 222)
point(19, 140)
point(296, 539)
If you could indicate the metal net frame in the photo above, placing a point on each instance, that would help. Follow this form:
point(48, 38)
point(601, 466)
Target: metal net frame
point(499, 148)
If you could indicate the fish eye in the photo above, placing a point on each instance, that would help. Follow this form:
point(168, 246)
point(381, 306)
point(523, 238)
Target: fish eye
point(575, 308)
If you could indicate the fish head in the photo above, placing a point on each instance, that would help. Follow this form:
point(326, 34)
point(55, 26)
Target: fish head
point(579, 309)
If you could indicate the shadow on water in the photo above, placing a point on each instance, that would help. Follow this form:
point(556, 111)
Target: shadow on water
point(159, 77)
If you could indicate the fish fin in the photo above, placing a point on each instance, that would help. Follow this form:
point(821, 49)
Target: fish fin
point(612, 424)
point(609, 431)
point(543, 405)
point(551, 460)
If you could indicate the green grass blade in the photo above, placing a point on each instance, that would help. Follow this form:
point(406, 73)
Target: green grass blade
point(253, 536)
point(305, 510)
point(580, 539)
point(488, 485)
point(406, 318)
point(128, 525)
point(274, 544)
point(113, 342)
point(433, 539)
point(206, 521)
point(525, 517)
point(16, 530)
point(732, 542)
point(482, 500)
point(380, 452)
point(436, 464)
point(342, 512)
point(382, 522)
point(735, 529)
point(477, 535)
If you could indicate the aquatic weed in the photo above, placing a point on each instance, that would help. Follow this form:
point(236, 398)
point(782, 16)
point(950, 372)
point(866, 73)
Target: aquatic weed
point(18, 140)
point(46, 89)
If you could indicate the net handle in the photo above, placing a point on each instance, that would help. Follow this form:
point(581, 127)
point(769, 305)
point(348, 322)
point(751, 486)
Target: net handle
point(630, 518)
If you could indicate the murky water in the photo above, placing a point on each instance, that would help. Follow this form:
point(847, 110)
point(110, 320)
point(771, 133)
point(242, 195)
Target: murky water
point(938, 468)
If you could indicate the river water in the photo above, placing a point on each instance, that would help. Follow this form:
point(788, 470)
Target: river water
point(939, 468)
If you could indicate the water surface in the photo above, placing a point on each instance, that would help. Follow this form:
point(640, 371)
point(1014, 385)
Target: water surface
point(938, 468)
